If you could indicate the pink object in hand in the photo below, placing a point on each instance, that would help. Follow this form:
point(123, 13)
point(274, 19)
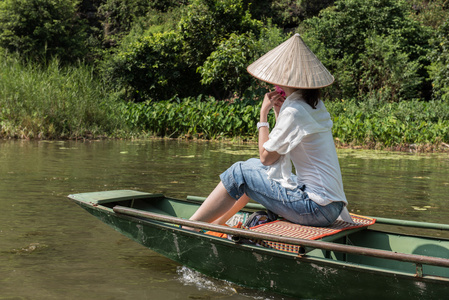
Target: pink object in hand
point(280, 91)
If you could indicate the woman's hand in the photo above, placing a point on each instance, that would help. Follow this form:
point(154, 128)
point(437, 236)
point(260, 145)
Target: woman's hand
point(271, 100)
point(277, 106)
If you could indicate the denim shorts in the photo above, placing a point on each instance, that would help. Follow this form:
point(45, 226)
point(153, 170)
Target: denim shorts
point(250, 178)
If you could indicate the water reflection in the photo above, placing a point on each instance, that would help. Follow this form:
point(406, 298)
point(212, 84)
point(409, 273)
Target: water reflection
point(51, 249)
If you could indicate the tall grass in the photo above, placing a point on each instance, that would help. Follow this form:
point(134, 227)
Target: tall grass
point(52, 102)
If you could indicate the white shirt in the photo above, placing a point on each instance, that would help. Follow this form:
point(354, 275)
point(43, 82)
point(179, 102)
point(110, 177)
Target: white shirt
point(304, 135)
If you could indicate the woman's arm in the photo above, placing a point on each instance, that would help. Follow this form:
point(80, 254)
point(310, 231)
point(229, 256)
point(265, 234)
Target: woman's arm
point(271, 100)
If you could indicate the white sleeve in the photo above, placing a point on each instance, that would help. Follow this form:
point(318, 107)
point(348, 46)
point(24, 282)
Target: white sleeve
point(293, 124)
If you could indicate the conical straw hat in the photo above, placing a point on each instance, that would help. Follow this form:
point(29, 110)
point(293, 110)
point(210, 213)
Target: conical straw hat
point(291, 64)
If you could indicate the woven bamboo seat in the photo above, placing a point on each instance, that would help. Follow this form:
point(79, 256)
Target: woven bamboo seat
point(284, 228)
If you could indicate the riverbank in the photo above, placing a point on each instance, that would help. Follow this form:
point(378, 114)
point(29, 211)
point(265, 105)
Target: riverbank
point(356, 125)
point(411, 126)
point(56, 103)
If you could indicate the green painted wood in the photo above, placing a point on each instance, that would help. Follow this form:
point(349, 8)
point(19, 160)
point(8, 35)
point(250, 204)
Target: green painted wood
point(112, 196)
point(416, 224)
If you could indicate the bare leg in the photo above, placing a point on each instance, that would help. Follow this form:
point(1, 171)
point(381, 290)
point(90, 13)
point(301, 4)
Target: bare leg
point(215, 206)
point(234, 209)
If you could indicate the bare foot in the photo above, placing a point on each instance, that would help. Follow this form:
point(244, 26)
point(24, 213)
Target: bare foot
point(191, 228)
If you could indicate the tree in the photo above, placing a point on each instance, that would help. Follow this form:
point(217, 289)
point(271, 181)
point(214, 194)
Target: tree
point(225, 69)
point(287, 14)
point(439, 68)
point(430, 13)
point(151, 68)
point(339, 37)
point(209, 53)
point(207, 23)
point(41, 29)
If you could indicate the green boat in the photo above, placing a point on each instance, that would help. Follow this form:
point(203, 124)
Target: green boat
point(371, 261)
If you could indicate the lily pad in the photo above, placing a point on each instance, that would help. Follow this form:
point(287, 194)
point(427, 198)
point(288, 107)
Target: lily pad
point(419, 208)
point(33, 247)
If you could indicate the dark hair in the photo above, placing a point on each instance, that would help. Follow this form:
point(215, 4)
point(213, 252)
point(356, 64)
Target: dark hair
point(311, 96)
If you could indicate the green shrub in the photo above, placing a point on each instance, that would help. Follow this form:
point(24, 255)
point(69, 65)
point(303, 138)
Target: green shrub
point(152, 67)
point(120, 15)
point(41, 29)
point(387, 74)
point(429, 13)
point(373, 123)
point(439, 68)
point(225, 68)
point(209, 55)
point(344, 37)
point(217, 30)
point(207, 23)
point(111, 21)
point(287, 14)
point(201, 117)
point(166, 5)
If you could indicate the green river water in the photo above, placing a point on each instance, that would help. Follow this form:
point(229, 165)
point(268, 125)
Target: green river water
point(52, 249)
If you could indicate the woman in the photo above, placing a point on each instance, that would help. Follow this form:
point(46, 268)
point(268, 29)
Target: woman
point(302, 135)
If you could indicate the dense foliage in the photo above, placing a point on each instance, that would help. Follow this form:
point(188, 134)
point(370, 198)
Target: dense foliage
point(385, 62)
point(195, 117)
point(376, 49)
point(376, 124)
point(42, 29)
point(439, 69)
point(207, 55)
point(141, 65)
point(373, 124)
point(152, 67)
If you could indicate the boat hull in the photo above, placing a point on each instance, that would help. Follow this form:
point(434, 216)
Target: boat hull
point(262, 268)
